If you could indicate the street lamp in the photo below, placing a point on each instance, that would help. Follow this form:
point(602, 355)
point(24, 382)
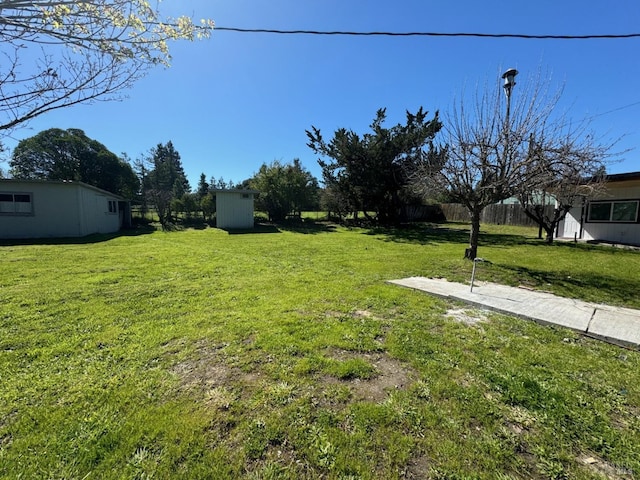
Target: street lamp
point(509, 82)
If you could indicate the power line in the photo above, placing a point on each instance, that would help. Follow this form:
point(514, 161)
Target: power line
point(429, 34)
point(616, 109)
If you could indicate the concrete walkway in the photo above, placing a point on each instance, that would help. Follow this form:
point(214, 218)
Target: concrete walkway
point(613, 324)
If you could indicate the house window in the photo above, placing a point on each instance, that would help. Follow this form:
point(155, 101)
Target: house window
point(624, 211)
point(16, 204)
point(113, 207)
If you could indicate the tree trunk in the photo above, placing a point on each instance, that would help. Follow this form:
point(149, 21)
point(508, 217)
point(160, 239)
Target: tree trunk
point(472, 252)
point(550, 231)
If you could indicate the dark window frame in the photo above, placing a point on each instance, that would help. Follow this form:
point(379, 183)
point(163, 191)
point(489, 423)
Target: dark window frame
point(112, 207)
point(612, 211)
point(17, 198)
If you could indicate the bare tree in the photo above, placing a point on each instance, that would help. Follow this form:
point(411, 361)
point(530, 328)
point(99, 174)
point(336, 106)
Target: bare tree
point(58, 53)
point(563, 170)
point(494, 149)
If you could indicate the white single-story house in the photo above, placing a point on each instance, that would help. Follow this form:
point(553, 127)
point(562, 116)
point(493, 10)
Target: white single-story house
point(612, 216)
point(49, 209)
point(234, 208)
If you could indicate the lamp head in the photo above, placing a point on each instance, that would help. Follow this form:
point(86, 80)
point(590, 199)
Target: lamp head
point(509, 79)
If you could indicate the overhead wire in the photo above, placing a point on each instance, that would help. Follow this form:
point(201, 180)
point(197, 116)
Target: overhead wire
point(431, 34)
point(616, 109)
point(443, 34)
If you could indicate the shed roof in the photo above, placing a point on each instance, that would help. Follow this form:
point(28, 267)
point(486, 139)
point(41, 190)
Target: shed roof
point(60, 182)
point(233, 190)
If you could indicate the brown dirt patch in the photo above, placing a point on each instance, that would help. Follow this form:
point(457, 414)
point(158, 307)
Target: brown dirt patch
point(416, 468)
point(607, 470)
point(208, 372)
point(391, 375)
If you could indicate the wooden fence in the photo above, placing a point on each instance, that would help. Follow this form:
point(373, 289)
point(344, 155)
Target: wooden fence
point(511, 214)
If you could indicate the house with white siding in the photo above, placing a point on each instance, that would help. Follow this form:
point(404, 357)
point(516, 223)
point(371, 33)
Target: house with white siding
point(612, 216)
point(234, 208)
point(54, 209)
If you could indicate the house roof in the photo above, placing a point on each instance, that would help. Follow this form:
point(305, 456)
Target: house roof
point(233, 190)
point(623, 177)
point(60, 182)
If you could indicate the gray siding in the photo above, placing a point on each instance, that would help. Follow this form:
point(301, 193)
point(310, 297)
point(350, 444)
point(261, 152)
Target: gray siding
point(59, 209)
point(615, 232)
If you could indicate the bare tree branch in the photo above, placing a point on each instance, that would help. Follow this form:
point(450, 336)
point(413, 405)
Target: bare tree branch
point(59, 53)
point(495, 151)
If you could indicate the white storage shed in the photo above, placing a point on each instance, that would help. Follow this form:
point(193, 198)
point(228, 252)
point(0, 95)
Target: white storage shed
point(234, 208)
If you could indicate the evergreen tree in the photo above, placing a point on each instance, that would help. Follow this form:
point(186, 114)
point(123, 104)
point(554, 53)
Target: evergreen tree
point(203, 186)
point(201, 193)
point(167, 181)
point(141, 168)
point(370, 172)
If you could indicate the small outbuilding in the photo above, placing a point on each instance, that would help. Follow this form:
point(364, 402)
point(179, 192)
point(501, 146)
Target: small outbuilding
point(613, 216)
point(234, 208)
point(49, 209)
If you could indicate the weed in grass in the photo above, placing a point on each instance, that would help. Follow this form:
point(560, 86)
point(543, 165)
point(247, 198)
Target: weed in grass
point(220, 397)
point(256, 439)
point(550, 465)
point(281, 393)
point(421, 390)
point(323, 450)
point(336, 394)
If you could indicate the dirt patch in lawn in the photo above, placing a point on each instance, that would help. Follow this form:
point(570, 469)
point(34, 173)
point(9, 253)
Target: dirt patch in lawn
point(390, 374)
point(207, 371)
point(417, 468)
point(605, 469)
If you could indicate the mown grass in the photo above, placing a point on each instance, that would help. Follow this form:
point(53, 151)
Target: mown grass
point(282, 353)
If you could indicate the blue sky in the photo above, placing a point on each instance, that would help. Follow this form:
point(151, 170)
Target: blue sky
point(237, 100)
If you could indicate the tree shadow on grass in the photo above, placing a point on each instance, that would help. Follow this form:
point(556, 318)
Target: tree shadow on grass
point(422, 234)
point(589, 287)
point(306, 226)
point(194, 223)
point(301, 226)
point(93, 238)
point(455, 232)
point(434, 233)
point(258, 228)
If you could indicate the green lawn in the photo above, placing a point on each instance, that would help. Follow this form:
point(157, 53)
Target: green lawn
point(284, 354)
